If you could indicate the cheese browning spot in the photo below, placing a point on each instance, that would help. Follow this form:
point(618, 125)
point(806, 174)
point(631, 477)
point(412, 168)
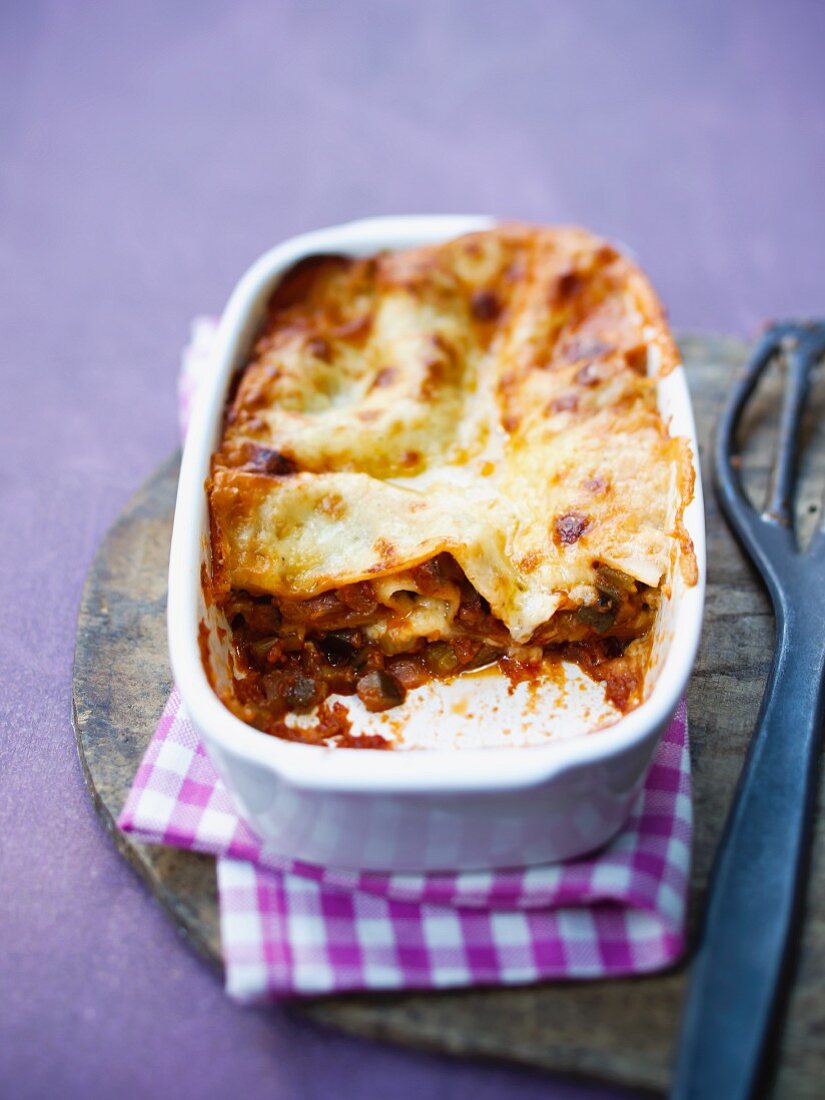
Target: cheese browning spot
point(569, 528)
point(385, 377)
point(319, 347)
point(266, 461)
point(385, 552)
point(565, 402)
point(588, 375)
point(485, 305)
point(596, 484)
point(530, 562)
point(333, 506)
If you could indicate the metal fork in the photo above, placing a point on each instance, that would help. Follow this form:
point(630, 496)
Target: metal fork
point(743, 961)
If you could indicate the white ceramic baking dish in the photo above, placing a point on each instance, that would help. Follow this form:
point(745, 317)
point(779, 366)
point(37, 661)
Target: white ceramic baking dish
point(431, 808)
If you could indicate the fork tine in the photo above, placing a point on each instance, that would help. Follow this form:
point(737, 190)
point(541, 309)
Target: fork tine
point(765, 541)
point(810, 352)
point(727, 443)
point(816, 547)
point(729, 422)
point(780, 504)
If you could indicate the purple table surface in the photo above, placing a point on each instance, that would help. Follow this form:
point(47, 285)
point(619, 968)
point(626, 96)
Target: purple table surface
point(149, 153)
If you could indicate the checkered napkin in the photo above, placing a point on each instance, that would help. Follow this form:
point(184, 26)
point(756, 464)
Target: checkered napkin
point(293, 929)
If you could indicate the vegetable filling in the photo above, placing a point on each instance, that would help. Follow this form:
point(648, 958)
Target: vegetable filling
point(380, 639)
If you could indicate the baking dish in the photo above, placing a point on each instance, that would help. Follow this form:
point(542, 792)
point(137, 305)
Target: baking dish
point(427, 808)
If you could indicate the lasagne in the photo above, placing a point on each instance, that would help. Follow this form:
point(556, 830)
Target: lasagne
point(440, 459)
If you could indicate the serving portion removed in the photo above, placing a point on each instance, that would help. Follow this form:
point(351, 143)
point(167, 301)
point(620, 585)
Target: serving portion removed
point(445, 483)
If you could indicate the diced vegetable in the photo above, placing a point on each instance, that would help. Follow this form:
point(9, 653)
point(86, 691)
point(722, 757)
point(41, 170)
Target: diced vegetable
point(441, 659)
point(260, 649)
point(485, 656)
point(411, 671)
point(379, 690)
point(302, 693)
point(614, 583)
point(598, 618)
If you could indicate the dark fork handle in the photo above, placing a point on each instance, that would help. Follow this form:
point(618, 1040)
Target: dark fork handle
point(742, 962)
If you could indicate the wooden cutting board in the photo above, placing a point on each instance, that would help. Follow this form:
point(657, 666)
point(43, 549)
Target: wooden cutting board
point(620, 1031)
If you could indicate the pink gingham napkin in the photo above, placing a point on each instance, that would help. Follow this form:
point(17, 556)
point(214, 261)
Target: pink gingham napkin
point(293, 929)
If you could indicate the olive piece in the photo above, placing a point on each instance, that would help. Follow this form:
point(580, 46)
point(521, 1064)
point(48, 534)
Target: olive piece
point(336, 648)
point(379, 690)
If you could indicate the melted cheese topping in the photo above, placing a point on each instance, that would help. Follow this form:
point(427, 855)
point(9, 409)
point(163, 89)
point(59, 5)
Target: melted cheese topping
point(493, 397)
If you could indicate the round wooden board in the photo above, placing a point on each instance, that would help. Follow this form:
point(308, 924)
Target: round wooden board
point(620, 1031)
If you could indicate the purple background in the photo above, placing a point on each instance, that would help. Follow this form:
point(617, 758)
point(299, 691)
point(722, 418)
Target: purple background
point(149, 153)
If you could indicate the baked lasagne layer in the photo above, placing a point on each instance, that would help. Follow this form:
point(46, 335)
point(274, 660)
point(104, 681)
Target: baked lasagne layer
point(443, 457)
